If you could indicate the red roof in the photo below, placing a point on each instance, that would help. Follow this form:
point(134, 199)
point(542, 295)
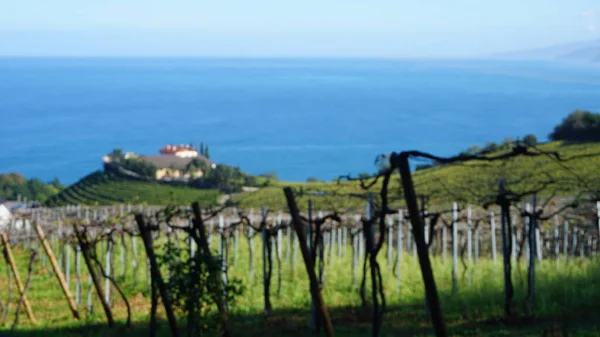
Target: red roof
point(172, 149)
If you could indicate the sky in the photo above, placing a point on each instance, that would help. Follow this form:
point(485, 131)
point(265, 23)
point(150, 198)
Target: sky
point(302, 28)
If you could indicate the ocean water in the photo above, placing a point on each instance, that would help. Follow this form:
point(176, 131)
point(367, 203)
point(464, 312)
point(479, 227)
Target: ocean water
point(299, 118)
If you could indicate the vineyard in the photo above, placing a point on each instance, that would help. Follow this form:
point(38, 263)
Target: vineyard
point(456, 182)
point(444, 184)
point(101, 188)
point(516, 256)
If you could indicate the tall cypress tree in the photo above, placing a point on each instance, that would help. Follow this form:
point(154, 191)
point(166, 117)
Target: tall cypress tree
point(206, 152)
point(201, 148)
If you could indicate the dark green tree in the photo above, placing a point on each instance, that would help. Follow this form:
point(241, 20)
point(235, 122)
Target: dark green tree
point(530, 140)
point(116, 155)
point(206, 152)
point(490, 146)
point(579, 126)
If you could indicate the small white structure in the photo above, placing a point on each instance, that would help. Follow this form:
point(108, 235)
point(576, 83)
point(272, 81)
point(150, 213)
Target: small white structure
point(5, 216)
point(186, 153)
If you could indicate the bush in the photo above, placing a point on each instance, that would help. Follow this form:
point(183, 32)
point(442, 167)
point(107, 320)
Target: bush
point(226, 179)
point(491, 146)
point(140, 167)
point(579, 126)
point(530, 140)
point(473, 150)
point(507, 142)
point(312, 180)
point(196, 287)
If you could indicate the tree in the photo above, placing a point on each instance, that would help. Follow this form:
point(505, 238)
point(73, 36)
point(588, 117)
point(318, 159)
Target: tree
point(490, 146)
point(312, 180)
point(474, 149)
point(116, 155)
point(196, 164)
point(225, 178)
point(14, 184)
point(56, 183)
point(140, 167)
point(579, 126)
point(507, 142)
point(530, 140)
point(206, 152)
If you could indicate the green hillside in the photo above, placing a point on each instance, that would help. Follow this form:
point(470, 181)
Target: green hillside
point(467, 183)
point(105, 189)
point(474, 183)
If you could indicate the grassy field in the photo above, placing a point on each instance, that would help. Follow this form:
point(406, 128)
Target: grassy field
point(106, 189)
point(566, 296)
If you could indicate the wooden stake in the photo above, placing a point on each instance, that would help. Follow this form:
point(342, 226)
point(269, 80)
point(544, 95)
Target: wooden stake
point(454, 248)
point(308, 262)
point(57, 272)
point(155, 273)
point(431, 292)
point(85, 248)
point(11, 261)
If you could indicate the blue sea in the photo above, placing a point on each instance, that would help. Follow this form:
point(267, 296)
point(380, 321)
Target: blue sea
point(297, 117)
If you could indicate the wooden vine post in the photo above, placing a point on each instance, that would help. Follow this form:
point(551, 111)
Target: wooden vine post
point(401, 161)
point(85, 249)
point(308, 262)
point(157, 279)
point(57, 271)
point(13, 266)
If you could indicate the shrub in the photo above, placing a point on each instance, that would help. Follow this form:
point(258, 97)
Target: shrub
point(491, 146)
point(507, 142)
point(579, 126)
point(194, 286)
point(140, 167)
point(530, 140)
point(227, 179)
point(473, 149)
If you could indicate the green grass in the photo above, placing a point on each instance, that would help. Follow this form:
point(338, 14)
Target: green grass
point(101, 188)
point(565, 295)
point(468, 183)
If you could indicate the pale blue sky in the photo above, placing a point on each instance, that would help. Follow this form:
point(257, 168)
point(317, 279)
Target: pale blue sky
point(354, 28)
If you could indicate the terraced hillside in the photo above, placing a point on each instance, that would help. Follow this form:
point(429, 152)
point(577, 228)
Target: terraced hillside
point(467, 183)
point(105, 189)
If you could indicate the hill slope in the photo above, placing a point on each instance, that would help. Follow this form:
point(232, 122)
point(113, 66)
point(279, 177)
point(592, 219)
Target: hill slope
point(105, 189)
point(467, 183)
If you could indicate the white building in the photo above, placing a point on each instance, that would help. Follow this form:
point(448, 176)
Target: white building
point(5, 216)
